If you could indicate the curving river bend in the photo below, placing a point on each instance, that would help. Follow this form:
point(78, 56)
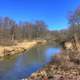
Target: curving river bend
point(21, 66)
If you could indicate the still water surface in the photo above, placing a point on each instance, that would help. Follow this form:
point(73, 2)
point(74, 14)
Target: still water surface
point(21, 66)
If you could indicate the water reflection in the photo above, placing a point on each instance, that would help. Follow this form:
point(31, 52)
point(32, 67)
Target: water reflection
point(23, 65)
point(49, 52)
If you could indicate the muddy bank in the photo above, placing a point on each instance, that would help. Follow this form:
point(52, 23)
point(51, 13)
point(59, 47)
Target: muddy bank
point(19, 47)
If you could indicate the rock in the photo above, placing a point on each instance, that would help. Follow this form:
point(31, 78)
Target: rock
point(34, 75)
point(43, 73)
point(68, 45)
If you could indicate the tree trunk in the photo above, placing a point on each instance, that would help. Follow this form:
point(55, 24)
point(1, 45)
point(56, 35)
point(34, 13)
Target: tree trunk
point(77, 45)
point(12, 37)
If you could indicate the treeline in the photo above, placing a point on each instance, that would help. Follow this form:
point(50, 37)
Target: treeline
point(73, 32)
point(74, 24)
point(10, 30)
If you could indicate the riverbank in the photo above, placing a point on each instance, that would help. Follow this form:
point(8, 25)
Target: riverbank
point(64, 66)
point(19, 47)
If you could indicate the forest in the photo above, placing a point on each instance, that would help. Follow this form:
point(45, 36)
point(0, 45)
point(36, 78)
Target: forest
point(10, 30)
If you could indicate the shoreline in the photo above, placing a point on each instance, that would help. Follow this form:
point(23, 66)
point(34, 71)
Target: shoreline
point(62, 67)
point(19, 47)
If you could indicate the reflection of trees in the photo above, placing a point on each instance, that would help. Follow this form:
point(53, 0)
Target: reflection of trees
point(35, 55)
point(7, 64)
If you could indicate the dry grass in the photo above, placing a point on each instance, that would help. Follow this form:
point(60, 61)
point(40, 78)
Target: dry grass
point(18, 47)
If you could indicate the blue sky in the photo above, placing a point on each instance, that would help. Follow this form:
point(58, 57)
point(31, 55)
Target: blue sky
point(53, 12)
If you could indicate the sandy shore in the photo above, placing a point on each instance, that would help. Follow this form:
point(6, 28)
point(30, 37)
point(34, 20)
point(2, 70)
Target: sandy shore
point(19, 47)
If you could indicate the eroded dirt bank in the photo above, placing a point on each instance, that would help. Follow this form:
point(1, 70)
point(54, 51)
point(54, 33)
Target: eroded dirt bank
point(19, 47)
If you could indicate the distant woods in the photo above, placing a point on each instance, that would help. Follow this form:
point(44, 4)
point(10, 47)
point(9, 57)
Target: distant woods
point(73, 32)
point(10, 30)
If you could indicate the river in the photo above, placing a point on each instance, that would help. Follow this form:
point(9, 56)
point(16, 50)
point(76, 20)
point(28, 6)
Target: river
point(21, 66)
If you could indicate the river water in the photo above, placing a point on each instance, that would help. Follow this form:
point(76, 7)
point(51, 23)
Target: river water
point(21, 66)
